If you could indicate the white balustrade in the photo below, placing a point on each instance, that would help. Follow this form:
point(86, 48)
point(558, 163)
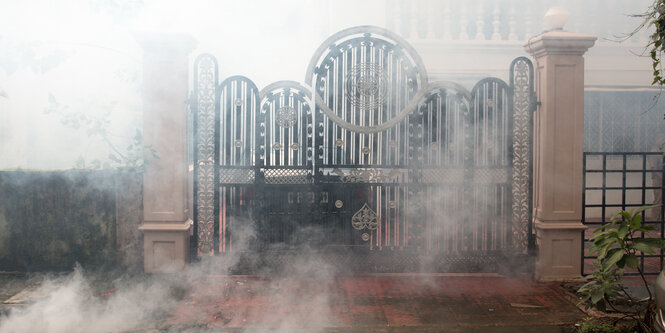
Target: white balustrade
point(511, 20)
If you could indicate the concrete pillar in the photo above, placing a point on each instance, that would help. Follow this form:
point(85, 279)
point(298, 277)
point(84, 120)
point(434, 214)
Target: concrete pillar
point(558, 152)
point(166, 215)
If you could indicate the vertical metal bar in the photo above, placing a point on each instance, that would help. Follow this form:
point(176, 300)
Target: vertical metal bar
point(194, 107)
point(662, 204)
point(217, 171)
point(584, 206)
point(531, 111)
point(624, 157)
point(644, 180)
point(643, 202)
point(603, 187)
point(222, 217)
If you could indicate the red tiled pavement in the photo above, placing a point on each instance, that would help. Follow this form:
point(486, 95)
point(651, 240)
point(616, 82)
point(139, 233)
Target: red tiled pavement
point(376, 301)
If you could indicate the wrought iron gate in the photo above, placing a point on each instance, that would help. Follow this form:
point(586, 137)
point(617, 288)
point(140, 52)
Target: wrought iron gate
point(366, 157)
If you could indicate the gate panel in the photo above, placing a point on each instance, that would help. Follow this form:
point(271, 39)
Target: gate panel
point(239, 101)
point(285, 152)
point(374, 160)
point(491, 131)
point(440, 155)
point(285, 126)
point(365, 82)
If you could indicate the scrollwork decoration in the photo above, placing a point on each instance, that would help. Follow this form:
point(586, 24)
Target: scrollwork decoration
point(205, 152)
point(366, 175)
point(365, 218)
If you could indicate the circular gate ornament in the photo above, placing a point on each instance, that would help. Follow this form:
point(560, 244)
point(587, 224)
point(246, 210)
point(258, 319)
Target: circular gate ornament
point(365, 236)
point(339, 203)
point(366, 86)
point(286, 116)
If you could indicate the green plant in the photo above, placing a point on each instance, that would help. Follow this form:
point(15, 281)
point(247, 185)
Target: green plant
point(617, 246)
point(591, 325)
point(653, 17)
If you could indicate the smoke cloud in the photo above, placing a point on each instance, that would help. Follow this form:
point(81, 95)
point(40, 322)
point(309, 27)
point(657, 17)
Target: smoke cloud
point(83, 53)
point(70, 304)
point(70, 97)
point(296, 291)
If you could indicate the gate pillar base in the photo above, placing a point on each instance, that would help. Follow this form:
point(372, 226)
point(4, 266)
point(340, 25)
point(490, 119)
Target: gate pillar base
point(559, 246)
point(165, 246)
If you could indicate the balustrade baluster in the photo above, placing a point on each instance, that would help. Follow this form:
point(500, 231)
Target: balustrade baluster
point(414, 20)
point(405, 22)
point(528, 32)
point(480, 22)
point(463, 34)
point(496, 22)
point(421, 16)
point(512, 23)
point(446, 22)
point(391, 20)
point(430, 13)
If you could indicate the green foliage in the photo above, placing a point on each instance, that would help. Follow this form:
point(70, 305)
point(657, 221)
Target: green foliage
point(618, 242)
point(617, 246)
point(590, 325)
point(602, 285)
point(654, 17)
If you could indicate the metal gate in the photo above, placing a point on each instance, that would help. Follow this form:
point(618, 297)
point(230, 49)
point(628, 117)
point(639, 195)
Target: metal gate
point(366, 160)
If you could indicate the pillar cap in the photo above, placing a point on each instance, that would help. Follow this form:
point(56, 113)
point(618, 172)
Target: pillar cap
point(559, 42)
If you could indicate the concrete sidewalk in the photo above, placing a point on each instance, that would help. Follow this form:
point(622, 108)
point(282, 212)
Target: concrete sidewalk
point(377, 303)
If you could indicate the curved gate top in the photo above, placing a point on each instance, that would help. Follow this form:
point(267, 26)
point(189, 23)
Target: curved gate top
point(366, 69)
point(366, 158)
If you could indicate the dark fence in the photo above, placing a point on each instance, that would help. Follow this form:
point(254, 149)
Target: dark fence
point(623, 181)
point(51, 220)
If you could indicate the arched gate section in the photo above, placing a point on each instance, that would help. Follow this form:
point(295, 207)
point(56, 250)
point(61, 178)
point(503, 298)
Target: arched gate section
point(366, 161)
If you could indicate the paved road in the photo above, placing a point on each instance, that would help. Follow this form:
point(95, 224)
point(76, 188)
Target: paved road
point(302, 303)
point(378, 303)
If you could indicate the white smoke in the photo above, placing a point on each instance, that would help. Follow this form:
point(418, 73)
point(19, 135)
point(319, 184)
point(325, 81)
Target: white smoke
point(297, 291)
point(69, 304)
